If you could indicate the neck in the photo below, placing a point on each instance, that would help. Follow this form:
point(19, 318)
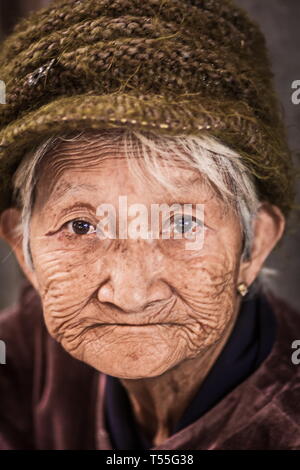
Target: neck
point(159, 402)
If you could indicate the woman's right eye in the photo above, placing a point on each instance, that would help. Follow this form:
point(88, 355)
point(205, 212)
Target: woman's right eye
point(80, 227)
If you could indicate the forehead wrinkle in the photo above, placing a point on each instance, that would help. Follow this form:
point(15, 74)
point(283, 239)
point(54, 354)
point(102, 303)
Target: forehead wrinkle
point(74, 156)
point(85, 150)
point(62, 161)
point(56, 163)
point(67, 153)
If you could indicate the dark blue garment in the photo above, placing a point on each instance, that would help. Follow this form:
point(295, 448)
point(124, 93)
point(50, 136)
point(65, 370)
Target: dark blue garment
point(250, 342)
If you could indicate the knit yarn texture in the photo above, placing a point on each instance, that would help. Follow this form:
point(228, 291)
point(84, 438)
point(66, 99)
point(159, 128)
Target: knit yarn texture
point(173, 67)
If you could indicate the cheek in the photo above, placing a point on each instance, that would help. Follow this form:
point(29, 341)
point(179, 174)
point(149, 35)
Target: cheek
point(67, 280)
point(206, 299)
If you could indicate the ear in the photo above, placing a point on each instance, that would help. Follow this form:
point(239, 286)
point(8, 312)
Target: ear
point(10, 231)
point(268, 228)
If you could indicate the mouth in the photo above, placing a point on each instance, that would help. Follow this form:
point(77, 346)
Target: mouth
point(130, 324)
point(133, 324)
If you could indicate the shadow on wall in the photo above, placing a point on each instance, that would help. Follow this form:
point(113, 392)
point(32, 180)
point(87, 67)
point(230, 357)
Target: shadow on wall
point(10, 276)
point(279, 22)
point(10, 273)
point(12, 10)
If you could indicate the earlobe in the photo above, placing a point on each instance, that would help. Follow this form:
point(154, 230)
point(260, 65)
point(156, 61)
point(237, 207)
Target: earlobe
point(268, 228)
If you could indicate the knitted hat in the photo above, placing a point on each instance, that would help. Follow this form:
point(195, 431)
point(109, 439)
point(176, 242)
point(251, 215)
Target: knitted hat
point(168, 66)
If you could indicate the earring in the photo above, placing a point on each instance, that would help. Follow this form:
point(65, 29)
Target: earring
point(242, 289)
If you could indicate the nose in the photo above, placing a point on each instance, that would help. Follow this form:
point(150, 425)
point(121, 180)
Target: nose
point(132, 285)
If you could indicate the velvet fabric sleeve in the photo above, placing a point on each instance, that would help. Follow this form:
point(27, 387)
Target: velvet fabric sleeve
point(16, 375)
point(47, 398)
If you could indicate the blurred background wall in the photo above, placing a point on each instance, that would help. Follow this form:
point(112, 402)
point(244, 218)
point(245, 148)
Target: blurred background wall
point(279, 21)
point(12, 10)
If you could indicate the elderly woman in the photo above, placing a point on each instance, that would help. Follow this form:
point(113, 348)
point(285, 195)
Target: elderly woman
point(145, 179)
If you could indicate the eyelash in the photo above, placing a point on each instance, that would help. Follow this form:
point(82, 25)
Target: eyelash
point(192, 218)
point(171, 221)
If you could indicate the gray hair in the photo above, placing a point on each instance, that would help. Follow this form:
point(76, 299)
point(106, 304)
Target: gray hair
point(222, 168)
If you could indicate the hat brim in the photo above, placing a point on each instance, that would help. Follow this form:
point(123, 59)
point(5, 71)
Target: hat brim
point(189, 115)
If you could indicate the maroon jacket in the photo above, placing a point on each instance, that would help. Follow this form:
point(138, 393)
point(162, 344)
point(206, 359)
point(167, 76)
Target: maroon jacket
point(49, 400)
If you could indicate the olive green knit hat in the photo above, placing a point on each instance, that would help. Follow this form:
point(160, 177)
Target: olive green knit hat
point(169, 66)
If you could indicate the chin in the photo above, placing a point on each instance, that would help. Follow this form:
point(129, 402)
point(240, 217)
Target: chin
point(128, 357)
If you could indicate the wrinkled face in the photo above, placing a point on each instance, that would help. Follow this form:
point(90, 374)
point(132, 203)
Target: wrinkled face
point(130, 308)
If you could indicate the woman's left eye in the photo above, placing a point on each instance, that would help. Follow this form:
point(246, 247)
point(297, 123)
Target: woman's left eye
point(186, 223)
point(81, 227)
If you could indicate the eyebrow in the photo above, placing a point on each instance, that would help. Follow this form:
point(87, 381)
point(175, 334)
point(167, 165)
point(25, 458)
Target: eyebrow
point(66, 187)
point(194, 181)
